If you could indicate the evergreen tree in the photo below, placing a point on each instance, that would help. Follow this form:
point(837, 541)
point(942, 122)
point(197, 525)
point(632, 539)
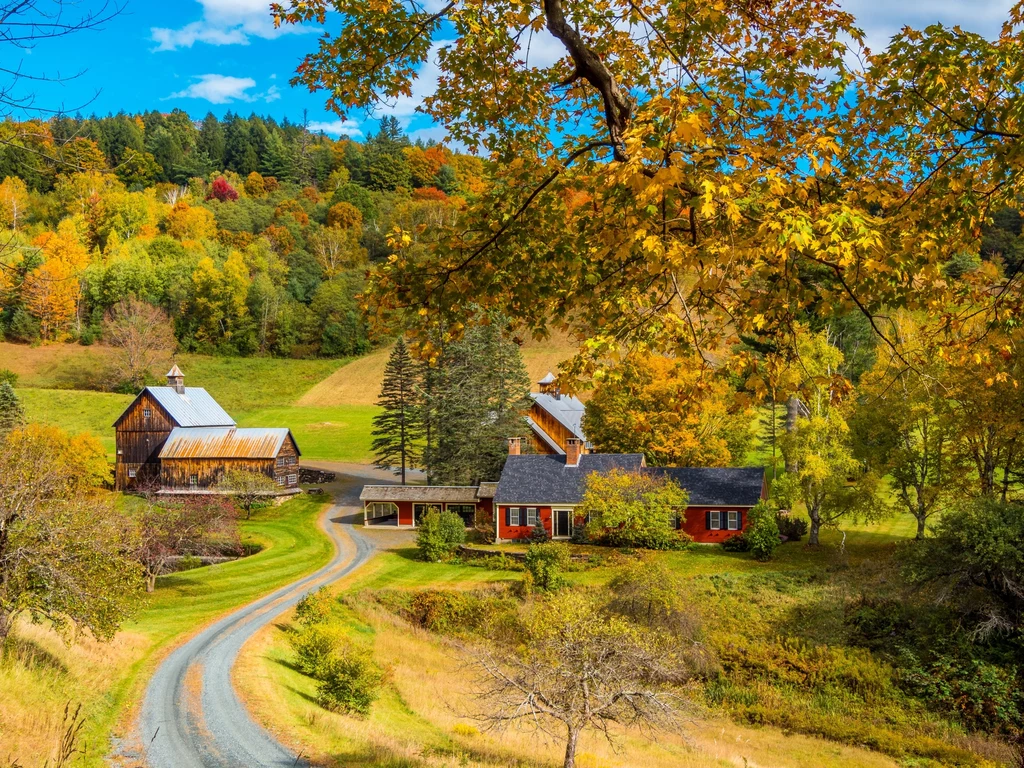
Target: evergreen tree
point(11, 412)
point(279, 160)
point(397, 429)
point(211, 140)
point(478, 397)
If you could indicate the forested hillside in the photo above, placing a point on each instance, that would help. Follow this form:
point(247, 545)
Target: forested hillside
point(252, 236)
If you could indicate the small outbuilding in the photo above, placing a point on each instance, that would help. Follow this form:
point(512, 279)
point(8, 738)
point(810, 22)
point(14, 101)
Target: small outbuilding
point(405, 505)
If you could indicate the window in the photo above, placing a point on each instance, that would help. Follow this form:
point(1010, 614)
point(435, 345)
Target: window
point(193, 480)
point(531, 515)
point(293, 479)
point(146, 413)
point(131, 473)
point(419, 510)
point(466, 511)
point(285, 461)
point(714, 521)
point(733, 521)
point(513, 516)
point(381, 509)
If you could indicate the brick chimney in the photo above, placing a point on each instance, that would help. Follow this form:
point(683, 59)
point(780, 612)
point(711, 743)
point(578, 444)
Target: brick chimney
point(574, 449)
point(176, 379)
point(515, 446)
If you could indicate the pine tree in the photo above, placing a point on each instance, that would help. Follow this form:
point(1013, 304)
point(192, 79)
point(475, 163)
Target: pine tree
point(11, 412)
point(398, 429)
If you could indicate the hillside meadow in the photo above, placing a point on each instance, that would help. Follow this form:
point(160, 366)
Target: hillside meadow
point(797, 693)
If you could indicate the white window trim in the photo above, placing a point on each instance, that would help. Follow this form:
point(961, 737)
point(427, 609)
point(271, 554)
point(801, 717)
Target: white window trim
point(513, 517)
point(131, 473)
point(147, 413)
point(732, 520)
point(531, 516)
point(716, 520)
point(572, 521)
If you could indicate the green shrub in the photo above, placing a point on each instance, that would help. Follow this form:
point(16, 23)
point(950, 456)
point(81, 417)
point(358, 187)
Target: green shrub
point(445, 611)
point(8, 376)
point(539, 534)
point(500, 562)
point(349, 682)
point(314, 608)
point(792, 527)
point(546, 563)
point(737, 543)
point(313, 645)
point(762, 534)
point(189, 563)
point(440, 534)
point(628, 509)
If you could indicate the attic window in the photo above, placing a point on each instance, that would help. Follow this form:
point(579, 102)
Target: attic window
point(131, 473)
point(147, 413)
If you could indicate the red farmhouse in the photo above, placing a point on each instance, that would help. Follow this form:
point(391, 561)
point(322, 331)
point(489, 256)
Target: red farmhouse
point(551, 487)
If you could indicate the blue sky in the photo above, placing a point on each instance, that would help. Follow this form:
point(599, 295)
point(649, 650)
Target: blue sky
point(221, 55)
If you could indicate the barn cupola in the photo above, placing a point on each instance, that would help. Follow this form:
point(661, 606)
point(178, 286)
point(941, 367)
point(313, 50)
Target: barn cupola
point(176, 380)
point(549, 386)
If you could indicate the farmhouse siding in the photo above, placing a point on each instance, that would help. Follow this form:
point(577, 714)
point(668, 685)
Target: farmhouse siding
point(178, 474)
point(139, 438)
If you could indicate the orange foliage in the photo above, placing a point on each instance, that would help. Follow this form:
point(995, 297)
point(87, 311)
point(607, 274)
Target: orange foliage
point(187, 223)
point(280, 239)
point(295, 209)
point(429, 193)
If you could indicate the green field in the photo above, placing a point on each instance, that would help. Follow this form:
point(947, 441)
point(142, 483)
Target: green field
point(60, 384)
point(107, 678)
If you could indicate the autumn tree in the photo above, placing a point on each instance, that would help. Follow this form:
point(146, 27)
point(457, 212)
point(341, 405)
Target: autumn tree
point(185, 222)
point(397, 428)
point(627, 509)
point(583, 668)
point(250, 490)
point(13, 202)
point(677, 412)
point(140, 334)
point(903, 427)
point(63, 547)
point(196, 527)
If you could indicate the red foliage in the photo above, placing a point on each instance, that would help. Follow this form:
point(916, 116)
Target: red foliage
point(222, 190)
point(429, 193)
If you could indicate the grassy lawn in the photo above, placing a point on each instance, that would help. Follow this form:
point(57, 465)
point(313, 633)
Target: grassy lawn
point(334, 433)
point(108, 678)
point(76, 410)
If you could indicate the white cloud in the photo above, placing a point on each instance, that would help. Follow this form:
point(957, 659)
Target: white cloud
point(224, 89)
point(225, 22)
point(336, 127)
point(881, 19)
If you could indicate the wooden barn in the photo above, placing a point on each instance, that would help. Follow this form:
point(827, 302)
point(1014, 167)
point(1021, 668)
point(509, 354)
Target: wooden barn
point(180, 439)
point(554, 418)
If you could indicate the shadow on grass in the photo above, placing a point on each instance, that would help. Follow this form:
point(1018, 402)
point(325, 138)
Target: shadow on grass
point(31, 655)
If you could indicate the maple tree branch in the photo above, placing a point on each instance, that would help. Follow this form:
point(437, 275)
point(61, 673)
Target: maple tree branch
point(618, 104)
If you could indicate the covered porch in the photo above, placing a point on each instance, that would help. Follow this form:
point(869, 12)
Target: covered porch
point(404, 506)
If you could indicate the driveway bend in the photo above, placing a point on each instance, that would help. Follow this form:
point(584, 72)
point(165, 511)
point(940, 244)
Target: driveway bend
point(191, 716)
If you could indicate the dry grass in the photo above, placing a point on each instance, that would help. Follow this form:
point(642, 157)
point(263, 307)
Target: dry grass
point(358, 382)
point(418, 721)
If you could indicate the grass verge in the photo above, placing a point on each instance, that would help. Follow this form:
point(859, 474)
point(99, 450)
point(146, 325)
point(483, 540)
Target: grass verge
point(108, 678)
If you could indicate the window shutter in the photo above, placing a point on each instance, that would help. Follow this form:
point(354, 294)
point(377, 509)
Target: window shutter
point(740, 514)
point(508, 516)
point(707, 520)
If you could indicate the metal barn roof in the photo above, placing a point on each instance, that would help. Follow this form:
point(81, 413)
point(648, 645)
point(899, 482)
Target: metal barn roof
point(195, 408)
point(224, 443)
point(567, 409)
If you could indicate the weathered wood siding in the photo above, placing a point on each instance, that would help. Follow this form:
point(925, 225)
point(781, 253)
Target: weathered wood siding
point(286, 465)
point(138, 439)
point(552, 426)
point(177, 474)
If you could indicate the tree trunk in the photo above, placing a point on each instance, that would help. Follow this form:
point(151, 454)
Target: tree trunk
point(792, 415)
point(570, 748)
point(6, 622)
point(150, 581)
point(812, 539)
point(920, 525)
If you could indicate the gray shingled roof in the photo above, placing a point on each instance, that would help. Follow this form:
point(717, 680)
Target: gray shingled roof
point(533, 479)
point(567, 409)
point(717, 486)
point(195, 408)
point(456, 494)
point(224, 443)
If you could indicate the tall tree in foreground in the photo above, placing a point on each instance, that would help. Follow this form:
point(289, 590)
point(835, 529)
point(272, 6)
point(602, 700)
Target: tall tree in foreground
point(398, 428)
point(64, 549)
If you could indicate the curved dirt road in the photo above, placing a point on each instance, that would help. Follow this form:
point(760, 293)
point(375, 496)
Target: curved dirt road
point(191, 716)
